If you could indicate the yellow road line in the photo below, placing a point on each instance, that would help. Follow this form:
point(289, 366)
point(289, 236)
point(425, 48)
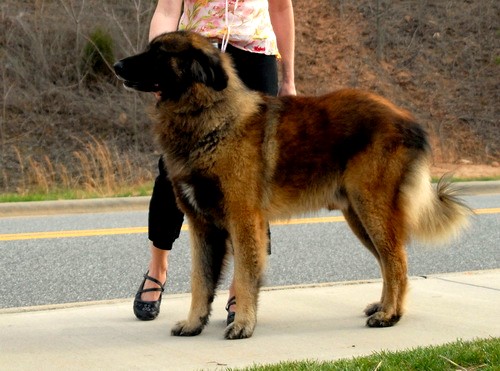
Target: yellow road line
point(494, 210)
point(135, 230)
point(66, 234)
point(326, 219)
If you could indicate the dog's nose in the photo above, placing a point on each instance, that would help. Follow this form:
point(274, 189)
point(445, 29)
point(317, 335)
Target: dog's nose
point(118, 66)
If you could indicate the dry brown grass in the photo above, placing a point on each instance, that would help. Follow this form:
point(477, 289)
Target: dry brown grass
point(101, 170)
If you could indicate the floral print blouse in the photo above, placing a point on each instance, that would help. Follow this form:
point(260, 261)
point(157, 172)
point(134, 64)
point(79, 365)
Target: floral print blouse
point(246, 23)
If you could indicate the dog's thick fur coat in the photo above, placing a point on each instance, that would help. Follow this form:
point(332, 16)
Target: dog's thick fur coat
point(238, 159)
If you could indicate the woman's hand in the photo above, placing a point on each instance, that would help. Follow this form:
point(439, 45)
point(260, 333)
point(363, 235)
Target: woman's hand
point(287, 88)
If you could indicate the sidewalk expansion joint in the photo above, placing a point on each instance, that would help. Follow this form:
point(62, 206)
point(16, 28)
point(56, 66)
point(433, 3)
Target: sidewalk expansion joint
point(465, 283)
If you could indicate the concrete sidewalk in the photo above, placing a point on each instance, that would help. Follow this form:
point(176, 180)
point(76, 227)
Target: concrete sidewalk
point(322, 322)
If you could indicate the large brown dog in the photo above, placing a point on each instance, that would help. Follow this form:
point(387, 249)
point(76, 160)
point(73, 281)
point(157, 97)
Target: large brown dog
point(238, 159)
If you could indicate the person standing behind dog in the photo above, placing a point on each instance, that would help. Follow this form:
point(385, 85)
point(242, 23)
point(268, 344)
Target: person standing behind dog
point(254, 33)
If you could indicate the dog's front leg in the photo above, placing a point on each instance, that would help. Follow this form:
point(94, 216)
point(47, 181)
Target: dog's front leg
point(208, 248)
point(250, 239)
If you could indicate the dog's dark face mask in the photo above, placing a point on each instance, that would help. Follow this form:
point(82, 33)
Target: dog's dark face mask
point(171, 64)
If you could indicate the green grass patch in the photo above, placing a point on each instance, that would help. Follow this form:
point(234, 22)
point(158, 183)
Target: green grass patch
point(129, 191)
point(76, 194)
point(481, 355)
point(472, 179)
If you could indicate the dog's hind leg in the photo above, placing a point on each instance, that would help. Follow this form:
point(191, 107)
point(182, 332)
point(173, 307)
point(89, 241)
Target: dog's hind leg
point(249, 235)
point(208, 251)
point(359, 230)
point(384, 227)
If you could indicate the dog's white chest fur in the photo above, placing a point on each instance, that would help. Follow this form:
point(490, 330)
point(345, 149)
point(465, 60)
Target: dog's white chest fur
point(189, 193)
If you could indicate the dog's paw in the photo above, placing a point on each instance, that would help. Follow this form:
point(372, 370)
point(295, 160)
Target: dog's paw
point(373, 308)
point(382, 319)
point(237, 331)
point(183, 328)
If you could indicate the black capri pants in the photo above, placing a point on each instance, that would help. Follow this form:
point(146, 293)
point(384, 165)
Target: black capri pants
point(259, 72)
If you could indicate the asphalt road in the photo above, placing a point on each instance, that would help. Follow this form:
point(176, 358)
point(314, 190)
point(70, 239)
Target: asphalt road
point(106, 256)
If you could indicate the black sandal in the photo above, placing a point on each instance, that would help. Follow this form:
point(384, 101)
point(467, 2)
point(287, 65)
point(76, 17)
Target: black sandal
point(230, 314)
point(148, 310)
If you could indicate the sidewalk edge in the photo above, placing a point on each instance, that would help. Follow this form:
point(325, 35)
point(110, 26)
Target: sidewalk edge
point(49, 307)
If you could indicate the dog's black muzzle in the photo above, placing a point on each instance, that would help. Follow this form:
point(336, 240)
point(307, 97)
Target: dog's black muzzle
point(134, 75)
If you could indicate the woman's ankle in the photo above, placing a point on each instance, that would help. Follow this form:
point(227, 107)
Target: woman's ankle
point(158, 265)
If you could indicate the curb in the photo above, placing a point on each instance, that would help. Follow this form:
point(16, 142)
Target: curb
point(479, 188)
point(33, 208)
point(441, 276)
point(36, 208)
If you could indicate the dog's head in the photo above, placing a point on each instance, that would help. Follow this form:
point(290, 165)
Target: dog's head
point(172, 63)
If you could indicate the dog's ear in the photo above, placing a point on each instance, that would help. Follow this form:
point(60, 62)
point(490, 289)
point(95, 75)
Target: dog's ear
point(208, 70)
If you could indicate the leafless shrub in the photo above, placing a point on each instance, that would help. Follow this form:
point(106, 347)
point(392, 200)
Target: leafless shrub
point(48, 114)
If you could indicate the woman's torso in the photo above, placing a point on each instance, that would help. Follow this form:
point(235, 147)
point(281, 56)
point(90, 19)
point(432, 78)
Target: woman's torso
point(247, 21)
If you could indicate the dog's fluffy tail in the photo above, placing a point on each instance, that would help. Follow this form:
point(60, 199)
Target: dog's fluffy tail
point(435, 214)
